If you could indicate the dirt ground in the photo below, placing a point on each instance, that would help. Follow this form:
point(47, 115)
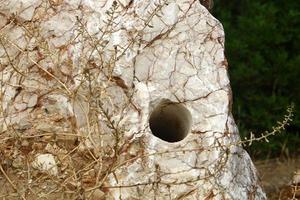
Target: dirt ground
point(276, 175)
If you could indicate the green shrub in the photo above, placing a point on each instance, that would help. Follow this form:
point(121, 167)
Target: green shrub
point(262, 47)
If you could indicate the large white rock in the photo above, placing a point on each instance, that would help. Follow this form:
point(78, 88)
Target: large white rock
point(112, 62)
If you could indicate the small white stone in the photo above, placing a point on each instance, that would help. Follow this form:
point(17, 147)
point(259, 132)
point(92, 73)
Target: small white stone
point(296, 178)
point(21, 106)
point(45, 163)
point(32, 101)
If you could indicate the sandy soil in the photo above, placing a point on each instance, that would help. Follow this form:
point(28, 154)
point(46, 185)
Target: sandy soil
point(276, 176)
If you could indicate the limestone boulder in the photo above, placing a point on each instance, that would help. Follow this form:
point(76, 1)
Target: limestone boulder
point(99, 69)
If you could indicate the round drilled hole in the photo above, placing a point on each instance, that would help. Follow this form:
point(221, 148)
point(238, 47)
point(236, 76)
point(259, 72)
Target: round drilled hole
point(170, 121)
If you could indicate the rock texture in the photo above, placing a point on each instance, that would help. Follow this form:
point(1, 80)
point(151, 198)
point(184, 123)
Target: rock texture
point(85, 76)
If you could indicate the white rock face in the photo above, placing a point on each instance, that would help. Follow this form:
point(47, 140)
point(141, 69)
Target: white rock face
point(105, 65)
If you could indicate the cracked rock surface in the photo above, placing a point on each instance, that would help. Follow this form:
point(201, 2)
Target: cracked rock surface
point(85, 76)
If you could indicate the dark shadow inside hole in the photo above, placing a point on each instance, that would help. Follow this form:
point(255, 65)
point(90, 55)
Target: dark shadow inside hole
point(170, 121)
